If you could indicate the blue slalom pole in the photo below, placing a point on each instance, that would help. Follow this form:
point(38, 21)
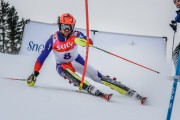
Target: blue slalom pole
point(173, 93)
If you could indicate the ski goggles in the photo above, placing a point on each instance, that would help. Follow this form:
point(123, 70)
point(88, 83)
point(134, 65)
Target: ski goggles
point(66, 27)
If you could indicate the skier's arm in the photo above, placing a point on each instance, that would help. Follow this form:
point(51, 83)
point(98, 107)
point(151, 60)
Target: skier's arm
point(174, 22)
point(44, 54)
point(39, 62)
point(177, 18)
point(82, 42)
point(81, 39)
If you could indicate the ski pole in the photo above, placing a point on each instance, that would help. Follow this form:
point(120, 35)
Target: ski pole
point(21, 79)
point(173, 92)
point(125, 59)
point(173, 25)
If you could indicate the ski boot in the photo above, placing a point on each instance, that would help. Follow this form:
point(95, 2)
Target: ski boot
point(92, 90)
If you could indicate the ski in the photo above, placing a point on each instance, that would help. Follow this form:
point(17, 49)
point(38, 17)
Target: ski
point(122, 89)
point(104, 96)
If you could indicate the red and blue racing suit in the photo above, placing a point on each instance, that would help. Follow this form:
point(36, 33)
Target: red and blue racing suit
point(66, 55)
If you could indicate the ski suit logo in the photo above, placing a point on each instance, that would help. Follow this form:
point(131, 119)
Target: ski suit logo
point(64, 46)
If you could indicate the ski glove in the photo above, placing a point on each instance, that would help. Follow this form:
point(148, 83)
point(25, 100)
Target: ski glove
point(32, 79)
point(173, 25)
point(82, 42)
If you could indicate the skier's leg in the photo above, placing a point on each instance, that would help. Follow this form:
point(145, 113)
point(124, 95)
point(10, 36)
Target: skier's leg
point(118, 86)
point(175, 54)
point(98, 77)
point(121, 88)
point(91, 73)
point(68, 72)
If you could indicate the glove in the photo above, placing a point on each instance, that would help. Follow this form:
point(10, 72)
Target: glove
point(173, 25)
point(82, 42)
point(32, 79)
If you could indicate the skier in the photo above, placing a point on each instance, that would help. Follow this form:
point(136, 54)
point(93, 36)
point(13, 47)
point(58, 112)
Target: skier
point(173, 24)
point(68, 61)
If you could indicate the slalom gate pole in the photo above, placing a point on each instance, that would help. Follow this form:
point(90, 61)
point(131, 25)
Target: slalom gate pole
point(125, 59)
point(173, 92)
point(87, 45)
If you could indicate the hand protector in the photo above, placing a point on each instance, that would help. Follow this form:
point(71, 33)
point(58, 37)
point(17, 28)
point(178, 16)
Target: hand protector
point(32, 79)
point(82, 42)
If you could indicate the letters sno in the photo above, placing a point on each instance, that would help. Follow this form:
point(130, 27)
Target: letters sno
point(35, 47)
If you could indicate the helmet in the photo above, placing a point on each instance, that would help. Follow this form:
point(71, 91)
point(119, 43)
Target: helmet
point(67, 18)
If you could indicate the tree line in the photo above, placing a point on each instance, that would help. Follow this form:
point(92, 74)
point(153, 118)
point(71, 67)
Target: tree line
point(11, 29)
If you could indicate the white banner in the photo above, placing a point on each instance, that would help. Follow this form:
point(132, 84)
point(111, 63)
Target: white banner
point(35, 36)
point(129, 46)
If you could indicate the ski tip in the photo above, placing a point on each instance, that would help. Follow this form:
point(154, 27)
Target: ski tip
point(106, 97)
point(109, 97)
point(143, 100)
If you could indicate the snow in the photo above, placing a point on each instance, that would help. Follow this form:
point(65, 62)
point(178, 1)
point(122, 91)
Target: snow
point(53, 98)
